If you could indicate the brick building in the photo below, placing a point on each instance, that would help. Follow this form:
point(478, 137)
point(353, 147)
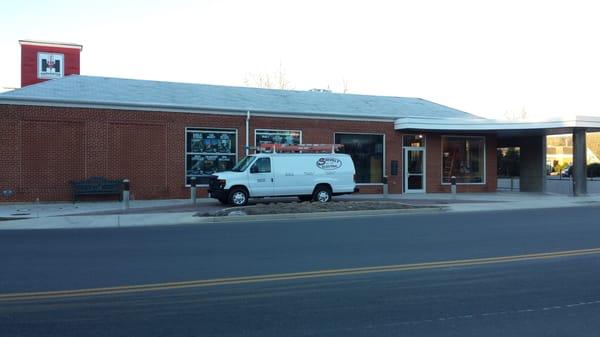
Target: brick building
point(160, 134)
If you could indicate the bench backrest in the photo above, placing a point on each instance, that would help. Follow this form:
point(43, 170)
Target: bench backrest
point(97, 184)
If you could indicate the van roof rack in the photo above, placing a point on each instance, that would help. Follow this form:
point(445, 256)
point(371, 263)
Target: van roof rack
point(299, 148)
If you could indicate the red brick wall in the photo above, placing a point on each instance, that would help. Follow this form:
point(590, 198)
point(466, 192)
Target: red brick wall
point(53, 154)
point(43, 148)
point(10, 152)
point(144, 146)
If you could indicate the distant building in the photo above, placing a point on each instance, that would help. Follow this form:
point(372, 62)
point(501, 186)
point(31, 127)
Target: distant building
point(560, 149)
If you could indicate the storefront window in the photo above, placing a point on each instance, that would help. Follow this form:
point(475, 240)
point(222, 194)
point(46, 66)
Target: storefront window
point(288, 137)
point(366, 152)
point(464, 158)
point(209, 151)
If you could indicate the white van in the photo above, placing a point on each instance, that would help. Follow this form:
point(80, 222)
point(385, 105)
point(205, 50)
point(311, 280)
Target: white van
point(310, 176)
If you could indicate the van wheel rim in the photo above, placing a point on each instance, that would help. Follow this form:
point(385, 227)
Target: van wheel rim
point(323, 196)
point(238, 198)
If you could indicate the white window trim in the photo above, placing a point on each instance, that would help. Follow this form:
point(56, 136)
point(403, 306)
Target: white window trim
point(203, 128)
point(384, 150)
point(484, 159)
point(256, 131)
point(404, 169)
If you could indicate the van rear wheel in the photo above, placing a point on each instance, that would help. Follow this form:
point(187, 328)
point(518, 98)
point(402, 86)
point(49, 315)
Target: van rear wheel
point(322, 194)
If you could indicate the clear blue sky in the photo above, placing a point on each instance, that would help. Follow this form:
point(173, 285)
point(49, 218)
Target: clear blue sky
point(490, 58)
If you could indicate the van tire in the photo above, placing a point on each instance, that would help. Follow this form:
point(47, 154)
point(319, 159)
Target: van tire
point(322, 194)
point(238, 196)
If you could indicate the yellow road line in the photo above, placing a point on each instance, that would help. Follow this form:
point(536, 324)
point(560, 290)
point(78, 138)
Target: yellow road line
point(289, 276)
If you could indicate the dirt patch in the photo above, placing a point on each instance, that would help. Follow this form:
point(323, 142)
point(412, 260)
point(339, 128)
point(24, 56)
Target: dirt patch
point(310, 207)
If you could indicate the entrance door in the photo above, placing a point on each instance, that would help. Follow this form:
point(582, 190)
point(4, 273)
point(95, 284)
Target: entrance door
point(414, 170)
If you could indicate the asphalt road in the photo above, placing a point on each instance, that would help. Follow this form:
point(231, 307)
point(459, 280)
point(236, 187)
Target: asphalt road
point(558, 295)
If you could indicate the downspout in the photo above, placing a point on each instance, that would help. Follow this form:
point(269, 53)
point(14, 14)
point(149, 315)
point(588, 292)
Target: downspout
point(247, 132)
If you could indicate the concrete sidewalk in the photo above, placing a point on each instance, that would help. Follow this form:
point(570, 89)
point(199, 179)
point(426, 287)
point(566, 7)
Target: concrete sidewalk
point(181, 211)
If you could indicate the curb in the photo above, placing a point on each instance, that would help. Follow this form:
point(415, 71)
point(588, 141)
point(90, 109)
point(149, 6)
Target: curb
point(185, 218)
point(518, 206)
point(337, 214)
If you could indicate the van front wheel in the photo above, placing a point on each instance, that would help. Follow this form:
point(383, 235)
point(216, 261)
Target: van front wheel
point(238, 197)
point(322, 194)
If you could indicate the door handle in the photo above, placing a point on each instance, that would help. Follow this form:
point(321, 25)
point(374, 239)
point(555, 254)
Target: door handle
point(271, 179)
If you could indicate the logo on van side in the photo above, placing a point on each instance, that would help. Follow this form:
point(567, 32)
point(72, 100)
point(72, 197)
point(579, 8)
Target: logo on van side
point(329, 163)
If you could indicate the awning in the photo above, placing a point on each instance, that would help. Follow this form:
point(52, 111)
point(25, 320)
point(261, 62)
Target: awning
point(550, 126)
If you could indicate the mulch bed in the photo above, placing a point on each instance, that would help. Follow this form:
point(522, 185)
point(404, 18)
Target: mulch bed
point(309, 207)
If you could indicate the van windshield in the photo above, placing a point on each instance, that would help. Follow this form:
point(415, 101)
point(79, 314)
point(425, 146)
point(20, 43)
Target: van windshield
point(243, 165)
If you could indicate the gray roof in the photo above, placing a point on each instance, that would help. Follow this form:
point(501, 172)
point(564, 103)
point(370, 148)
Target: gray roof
point(116, 92)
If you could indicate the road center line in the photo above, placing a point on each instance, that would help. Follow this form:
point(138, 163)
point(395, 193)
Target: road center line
point(13, 297)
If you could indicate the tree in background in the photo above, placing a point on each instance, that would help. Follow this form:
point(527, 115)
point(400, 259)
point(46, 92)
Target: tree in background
point(516, 116)
point(275, 80)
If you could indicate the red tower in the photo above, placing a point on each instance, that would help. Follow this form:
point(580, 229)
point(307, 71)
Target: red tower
point(42, 61)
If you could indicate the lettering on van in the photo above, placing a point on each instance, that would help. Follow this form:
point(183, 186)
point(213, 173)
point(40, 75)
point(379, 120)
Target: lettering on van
point(330, 163)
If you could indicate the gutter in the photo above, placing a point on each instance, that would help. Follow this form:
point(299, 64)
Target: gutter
point(179, 108)
point(247, 133)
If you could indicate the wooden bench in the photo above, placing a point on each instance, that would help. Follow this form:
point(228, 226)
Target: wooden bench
point(97, 186)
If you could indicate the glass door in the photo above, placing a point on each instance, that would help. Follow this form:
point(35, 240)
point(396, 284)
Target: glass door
point(414, 170)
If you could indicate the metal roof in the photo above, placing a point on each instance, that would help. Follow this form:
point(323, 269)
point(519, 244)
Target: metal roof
point(77, 90)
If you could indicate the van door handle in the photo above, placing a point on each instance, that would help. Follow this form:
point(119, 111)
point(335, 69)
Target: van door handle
point(271, 179)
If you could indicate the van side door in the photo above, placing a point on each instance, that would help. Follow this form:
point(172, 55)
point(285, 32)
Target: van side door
point(260, 178)
point(294, 175)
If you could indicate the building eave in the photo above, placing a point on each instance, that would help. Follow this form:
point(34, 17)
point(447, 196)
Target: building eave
point(154, 107)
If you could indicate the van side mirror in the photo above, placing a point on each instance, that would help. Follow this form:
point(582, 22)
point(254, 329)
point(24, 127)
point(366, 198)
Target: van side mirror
point(254, 169)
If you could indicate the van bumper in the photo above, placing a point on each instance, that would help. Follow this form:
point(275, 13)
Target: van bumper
point(218, 194)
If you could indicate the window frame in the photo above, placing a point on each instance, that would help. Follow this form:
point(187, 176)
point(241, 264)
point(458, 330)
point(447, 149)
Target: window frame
point(255, 163)
point(206, 129)
point(383, 171)
point(484, 182)
point(423, 137)
point(257, 131)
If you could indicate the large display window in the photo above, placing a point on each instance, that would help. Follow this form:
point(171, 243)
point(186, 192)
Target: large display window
point(288, 137)
point(367, 152)
point(464, 158)
point(209, 151)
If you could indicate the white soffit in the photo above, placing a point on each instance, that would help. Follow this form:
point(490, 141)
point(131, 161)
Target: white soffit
point(461, 124)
